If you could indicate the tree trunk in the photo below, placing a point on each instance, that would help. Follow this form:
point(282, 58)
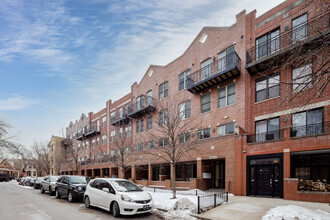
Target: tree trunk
point(173, 177)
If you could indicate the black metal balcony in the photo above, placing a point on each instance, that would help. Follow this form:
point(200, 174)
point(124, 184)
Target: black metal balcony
point(310, 129)
point(274, 51)
point(91, 131)
point(79, 136)
point(145, 106)
point(119, 120)
point(220, 70)
point(66, 142)
point(265, 136)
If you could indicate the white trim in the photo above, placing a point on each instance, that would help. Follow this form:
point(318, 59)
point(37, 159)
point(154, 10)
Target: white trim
point(292, 110)
point(95, 119)
point(124, 103)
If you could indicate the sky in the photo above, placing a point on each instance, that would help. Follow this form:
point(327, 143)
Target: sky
point(62, 58)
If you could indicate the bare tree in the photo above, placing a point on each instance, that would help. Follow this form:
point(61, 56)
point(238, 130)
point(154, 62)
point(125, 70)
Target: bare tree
point(5, 138)
point(73, 157)
point(172, 129)
point(40, 157)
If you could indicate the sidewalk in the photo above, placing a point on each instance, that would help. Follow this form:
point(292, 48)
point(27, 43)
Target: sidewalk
point(246, 208)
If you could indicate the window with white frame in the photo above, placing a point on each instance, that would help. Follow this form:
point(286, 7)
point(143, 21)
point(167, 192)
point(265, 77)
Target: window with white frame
point(112, 135)
point(139, 147)
point(206, 102)
point(163, 117)
point(104, 121)
point(162, 142)
point(139, 126)
point(151, 144)
point(113, 116)
point(184, 79)
point(128, 108)
point(140, 102)
point(149, 122)
point(226, 96)
point(121, 135)
point(98, 141)
point(267, 87)
point(128, 131)
point(121, 112)
point(104, 139)
point(226, 129)
point(93, 142)
point(149, 97)
point(302, 77)
point(203, 134)
point(87, 144)
point(183, 138)
point(184, 110)
point(163, 91)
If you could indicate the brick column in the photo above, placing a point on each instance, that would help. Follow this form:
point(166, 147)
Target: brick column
point(120, 173)
point(85, 172)
point(101, 172)
point(199, 169)
point(149, 172)
point(93, 172)
point(110, 172)
point(133, 172)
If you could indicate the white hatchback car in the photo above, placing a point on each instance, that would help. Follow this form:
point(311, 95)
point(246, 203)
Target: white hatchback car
point(119, 196)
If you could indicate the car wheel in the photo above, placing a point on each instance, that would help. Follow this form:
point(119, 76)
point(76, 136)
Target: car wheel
point(57, 194)
point(42, 190)
point(51, 193)
point(70, 197)
point(115, 209)
point(87, 202)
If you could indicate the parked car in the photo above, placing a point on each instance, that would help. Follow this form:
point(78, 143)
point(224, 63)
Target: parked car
point(21, 181)
point(48, 184)
point(26, 181)
point(119, 196)
point(32, 181)
point(37, 183)
point(72, 187)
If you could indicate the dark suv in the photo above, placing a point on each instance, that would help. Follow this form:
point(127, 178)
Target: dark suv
point(72, 187)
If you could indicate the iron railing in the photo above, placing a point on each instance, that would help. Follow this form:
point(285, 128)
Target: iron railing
point(207, 201)
point(289, 38)
point(265, 136)
point(146, 104)
point(218, 66)
point(310, 129)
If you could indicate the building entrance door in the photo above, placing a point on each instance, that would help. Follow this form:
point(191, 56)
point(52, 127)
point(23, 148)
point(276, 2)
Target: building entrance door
point(219, 174)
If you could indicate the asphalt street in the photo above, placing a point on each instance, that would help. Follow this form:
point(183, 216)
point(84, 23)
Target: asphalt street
point(18, 202)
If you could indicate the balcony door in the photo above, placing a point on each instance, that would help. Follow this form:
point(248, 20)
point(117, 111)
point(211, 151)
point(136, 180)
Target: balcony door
point(226, 59)
point(268, 44)
point(206, 69)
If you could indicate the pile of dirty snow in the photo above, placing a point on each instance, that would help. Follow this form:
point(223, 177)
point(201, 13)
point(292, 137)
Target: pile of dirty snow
point(293, 212)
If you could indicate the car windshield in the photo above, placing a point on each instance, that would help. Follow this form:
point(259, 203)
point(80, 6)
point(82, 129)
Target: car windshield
point(39, 178)
point(125, 186)
point(54, 178)
point(78, 180)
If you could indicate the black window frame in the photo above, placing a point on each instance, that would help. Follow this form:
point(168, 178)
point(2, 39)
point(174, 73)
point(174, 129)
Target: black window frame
point(267, 78)
point(203, 133)
point(184, 79)
point(206, 103)
point(187, 109)
point(163, 90)
point(163, 117)
point(139, 125)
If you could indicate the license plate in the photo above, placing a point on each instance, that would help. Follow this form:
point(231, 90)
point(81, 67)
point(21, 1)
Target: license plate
point(146, 207)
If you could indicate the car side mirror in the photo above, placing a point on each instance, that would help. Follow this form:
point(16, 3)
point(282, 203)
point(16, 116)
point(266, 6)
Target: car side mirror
point(106, 190)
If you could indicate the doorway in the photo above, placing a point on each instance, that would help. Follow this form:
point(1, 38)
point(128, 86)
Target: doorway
point(219, 174)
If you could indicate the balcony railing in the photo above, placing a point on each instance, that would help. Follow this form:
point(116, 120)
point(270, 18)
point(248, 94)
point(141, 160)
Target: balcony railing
point(120, 119)
point(265, 136)
point(214, 73)
point(311, 129)
point(257, 56)
point(145, 106)
point(92, 130)
point(79, 136)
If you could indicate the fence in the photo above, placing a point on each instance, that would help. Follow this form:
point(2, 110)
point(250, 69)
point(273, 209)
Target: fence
point(213, 200)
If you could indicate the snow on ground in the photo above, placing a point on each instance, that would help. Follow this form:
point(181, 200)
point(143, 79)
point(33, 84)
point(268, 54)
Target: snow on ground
point(293, 212)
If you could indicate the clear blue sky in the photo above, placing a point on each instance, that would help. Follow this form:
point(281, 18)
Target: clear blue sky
point(61, 58)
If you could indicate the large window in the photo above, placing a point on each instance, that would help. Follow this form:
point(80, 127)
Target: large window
point(313, 171)
point(139, 102)
point(268, 44)
point(151, 144)
point(139, 126)
point(267, 88)
point(112, 116)
point(206, 69)
point(139, 147)
point(104, 121)
point(149, 97)
point(202, 134)
point(163, 117)
point(128, 129)
point(226, 96)
point(121, 134)
point(98, 141)
point(128, 108)
point(299, 28)
point(302, 77)
point(206, 102)
point(104, 139)
point(184, 110)
point(163, 90)
point(268, 129)
point(226, 129)
point(184, 80)
point(307, 123)
point(226, 59)
point(121, 112)
point(112, 135)
point(149, 122)
point(162, 142)
point(191, 171)
point(183, 138)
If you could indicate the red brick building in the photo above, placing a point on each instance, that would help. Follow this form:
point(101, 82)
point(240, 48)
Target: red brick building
point(251, 138)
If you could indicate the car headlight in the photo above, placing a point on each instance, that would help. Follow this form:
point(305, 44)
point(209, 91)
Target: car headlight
point(79, 188)
point(126, 198)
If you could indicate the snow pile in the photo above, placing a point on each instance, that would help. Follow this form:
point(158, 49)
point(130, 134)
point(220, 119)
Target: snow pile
point(181, 210)
point(293, 212)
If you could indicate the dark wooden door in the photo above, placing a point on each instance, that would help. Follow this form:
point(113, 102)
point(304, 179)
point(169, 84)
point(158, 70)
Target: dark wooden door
point(264, 184)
